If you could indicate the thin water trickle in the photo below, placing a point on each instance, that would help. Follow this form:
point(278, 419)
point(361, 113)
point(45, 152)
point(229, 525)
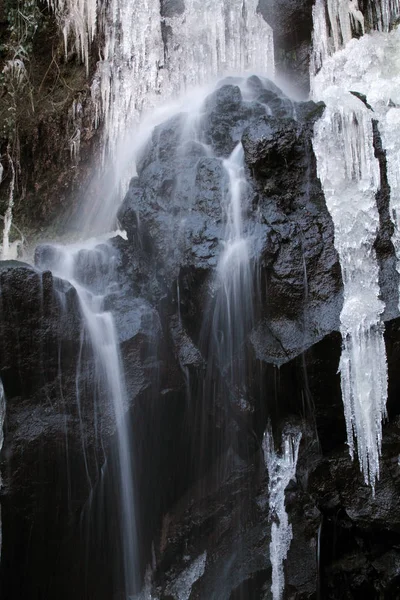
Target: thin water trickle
point(99, 326)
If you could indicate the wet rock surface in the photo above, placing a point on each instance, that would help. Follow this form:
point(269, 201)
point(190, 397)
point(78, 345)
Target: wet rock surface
point(291, 21)
point(199, 467)
point(174, 214)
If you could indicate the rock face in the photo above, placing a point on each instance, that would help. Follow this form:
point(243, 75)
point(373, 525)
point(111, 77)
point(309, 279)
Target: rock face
point(291, 21)
point(199, 468)
point(174, 213)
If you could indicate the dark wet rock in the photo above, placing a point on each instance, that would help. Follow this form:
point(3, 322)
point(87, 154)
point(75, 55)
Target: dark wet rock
point(171, 8)
point(268, 143)
point(174, 213)
point(365, 555)
point(59, 424)
point(225, 118)
point(291, 21)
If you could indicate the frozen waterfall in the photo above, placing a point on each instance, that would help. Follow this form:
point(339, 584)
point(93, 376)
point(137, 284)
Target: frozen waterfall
point(281, 469)
point(350, 176)
point(149, 56)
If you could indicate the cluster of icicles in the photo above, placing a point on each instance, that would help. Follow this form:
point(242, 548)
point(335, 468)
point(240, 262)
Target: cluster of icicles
point(147, 56)
point(350, 176)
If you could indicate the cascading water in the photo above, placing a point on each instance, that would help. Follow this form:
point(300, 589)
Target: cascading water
point(146, 58)
point(66, 263)
point(281, 470)
point(233, 308)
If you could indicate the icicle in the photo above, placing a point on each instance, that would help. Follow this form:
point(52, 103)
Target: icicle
point(386, 12)
point(147, 59)
point(349, 174)
point(209, 39)
point(281, 470)
point(334, 23)
point(78, 19)
point(7, 249)
point(212, 38)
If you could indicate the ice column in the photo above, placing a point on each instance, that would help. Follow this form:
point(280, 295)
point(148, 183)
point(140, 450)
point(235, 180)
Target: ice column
point(333, 24)
point(349, 173)
point(281, 470)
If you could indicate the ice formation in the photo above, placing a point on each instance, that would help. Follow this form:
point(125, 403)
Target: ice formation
point(146, 59)
point(281, 469)
point(333, 24)
point(349, 174)
point(78, 18)
point(336, 22)
point(385, 12)
point(7, 250)
point(182, 586)
point(371, 66)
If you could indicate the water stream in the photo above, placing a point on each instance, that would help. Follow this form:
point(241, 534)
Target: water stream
point(87, 260)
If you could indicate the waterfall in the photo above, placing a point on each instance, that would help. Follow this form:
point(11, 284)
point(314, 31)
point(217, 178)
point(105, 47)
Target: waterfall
point(233, 308)
point(281, 469)
point(2, 418)
point(350, 177)
point(66, 263)
point(148, 58)
point(334, 22)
